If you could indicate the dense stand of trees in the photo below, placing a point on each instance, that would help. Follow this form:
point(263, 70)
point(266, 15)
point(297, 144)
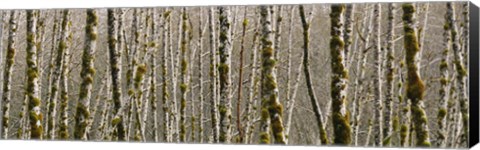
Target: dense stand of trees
point(227, 74)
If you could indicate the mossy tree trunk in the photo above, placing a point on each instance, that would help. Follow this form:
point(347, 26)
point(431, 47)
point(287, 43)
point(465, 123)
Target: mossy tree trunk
point(191, 58)
point(340, 116)
point(390, 50)
point(139, 76)
point(183, 74)
point(153, 74)
point(225, 49)
point(51, 69)
point(87, 74)
point(444, 91)
point(466, 31)
point(132, 60)
point(7, 74)
point(272, 109)
point(33, 88)
point(65, 43)
point(461, 72)
point(115, 53)
point(415, 87)
point(62, 48)
point(306, 69)
point(165, 96)
point(213, 76)
point(377, 89)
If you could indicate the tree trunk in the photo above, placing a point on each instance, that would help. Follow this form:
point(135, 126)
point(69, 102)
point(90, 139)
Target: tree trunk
point(115, 54)
point(253, 88)
point(466, 32)
point(377, 90)
point(33, 87)
point(213, 77)
point(65, 43)
point(240, 76)
point(183, 76)
point(306, 69)
point(390, 50)
point(200, 77)
point(460, 69)
point(272, 109)
point(360, 77)
point(340, 117)
point(56, 30)
point(415, 87)
point(87, 74)
point(165, 95)
point(225, 49)
point(445, 87)
point(7, 76)
point(61, 50)
point(348, 32)
point(290, 100)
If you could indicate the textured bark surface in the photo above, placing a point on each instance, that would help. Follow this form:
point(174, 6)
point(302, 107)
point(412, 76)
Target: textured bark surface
point(461, 72)
point(33, 88)
point(390, 70)
point(115, 53)
point(201, 98)
point(445, 87)
point(225, 50)
point(272, 109)
point(253, 87)
point(415, 87)
point(62, 49)
point(65, 43)
point(183, 75)
point(87, 74)
point(377, 87)
point(165, 96)
point(340, 116)
point(213, 77)
point(308, 78)
point(7, 74)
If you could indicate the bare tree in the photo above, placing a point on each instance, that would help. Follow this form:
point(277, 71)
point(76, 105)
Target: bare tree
point(240, 75)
